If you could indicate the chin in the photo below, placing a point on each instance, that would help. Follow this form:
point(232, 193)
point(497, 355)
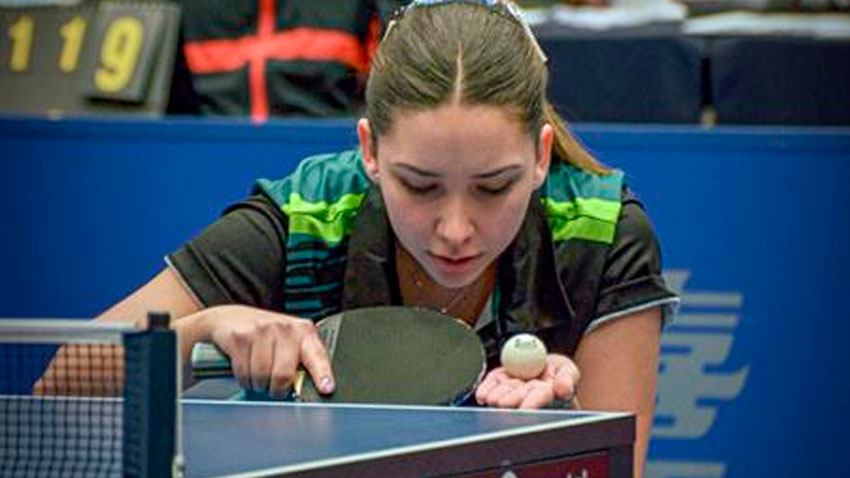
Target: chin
point(454, 278)
point(454, 283)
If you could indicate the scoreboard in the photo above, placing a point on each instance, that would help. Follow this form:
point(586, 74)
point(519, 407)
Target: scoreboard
point(95, 57)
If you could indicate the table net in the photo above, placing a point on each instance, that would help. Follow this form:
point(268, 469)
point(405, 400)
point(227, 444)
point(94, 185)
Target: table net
point(85, 399)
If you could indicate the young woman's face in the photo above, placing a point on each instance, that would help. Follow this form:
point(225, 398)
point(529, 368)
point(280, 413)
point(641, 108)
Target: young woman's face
point(456, 181)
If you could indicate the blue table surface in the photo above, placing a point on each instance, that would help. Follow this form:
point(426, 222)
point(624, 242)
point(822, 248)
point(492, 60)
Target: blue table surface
point(230, 437)
point(226, 438)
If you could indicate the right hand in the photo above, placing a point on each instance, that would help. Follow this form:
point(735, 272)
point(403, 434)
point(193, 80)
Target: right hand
point(265, 348)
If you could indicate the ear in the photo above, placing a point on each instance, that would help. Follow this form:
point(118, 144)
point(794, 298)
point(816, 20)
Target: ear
point(544, 154)
point(368, 149)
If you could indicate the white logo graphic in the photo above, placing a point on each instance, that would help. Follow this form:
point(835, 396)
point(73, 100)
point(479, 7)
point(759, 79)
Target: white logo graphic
point(700, 340)
point(702, 337)
point(681, 469)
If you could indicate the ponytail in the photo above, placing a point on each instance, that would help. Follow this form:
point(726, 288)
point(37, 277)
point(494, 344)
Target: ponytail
point(566, 147)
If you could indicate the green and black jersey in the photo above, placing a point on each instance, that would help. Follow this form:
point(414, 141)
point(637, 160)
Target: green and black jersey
point(319, 241)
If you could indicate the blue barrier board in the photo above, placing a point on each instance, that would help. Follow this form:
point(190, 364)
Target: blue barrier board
point(751, 220)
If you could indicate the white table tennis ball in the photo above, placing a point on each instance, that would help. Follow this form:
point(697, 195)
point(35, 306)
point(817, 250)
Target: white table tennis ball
point(524, 356)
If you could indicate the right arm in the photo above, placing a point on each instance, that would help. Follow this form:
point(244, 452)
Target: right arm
point(239, 259)
point(265, 348)
point(69, 373)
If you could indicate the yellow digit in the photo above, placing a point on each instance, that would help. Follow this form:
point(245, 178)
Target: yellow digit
point(21, 33)
point(72, 36)
point(122, 44)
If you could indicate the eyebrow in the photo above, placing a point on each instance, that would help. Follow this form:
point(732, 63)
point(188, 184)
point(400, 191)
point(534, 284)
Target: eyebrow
point(499, 171)
point(431, 174)
point(415, 170)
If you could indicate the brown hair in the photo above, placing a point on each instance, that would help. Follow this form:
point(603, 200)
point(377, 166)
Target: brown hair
point(469, 53)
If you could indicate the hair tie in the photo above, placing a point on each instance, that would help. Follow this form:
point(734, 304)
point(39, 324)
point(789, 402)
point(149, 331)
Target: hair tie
point(500, 6)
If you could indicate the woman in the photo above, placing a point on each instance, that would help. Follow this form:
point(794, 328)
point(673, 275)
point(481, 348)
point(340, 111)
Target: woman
point(452, 202)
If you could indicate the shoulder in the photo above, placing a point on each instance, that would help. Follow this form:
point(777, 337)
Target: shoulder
point(319, 180)
point(321, 197)
point(582, 205)
point(634, 228)
point(606, 251)
point(632, 280)
point(568, 181)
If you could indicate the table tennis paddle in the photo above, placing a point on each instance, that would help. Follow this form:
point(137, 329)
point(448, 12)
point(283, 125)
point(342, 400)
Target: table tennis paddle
point(389, 354)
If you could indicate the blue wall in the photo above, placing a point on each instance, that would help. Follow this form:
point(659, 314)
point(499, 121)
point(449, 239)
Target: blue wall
point(752, 223)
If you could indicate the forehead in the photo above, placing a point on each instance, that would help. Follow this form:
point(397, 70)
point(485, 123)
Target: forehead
point(439, 137)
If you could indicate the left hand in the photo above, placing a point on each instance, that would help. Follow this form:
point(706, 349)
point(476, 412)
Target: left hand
point(558, 381)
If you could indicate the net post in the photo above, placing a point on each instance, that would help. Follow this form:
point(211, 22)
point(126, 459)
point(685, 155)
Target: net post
point(150, 400)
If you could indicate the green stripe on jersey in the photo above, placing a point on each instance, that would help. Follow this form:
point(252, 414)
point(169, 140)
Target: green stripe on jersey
point(586, 228)
point(321, 197)
point(330, 221)
point(590, 219)
point(582, 205)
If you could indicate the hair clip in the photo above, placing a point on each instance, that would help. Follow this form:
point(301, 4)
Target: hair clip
point(505, 6)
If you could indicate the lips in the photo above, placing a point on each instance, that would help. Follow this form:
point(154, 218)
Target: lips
point(455, 271)
point(455, 260)
point(454, 264)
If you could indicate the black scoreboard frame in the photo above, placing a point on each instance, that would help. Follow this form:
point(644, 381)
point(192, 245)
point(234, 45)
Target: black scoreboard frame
point(108, 56)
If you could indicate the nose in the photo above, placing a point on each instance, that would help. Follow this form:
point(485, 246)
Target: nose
point(455, 225)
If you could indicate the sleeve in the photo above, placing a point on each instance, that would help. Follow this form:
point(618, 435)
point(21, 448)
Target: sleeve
point(631, 280)
point(238, 259)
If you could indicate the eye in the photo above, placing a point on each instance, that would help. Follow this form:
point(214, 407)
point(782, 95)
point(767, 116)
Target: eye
point(419, 190)
point(495, 190)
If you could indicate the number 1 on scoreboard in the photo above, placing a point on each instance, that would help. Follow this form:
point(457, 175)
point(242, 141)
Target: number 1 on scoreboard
point(72, 34)
point(21, 34)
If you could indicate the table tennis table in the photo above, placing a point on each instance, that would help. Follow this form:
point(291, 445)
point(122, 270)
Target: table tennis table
point(264, 439)
point(152, 430)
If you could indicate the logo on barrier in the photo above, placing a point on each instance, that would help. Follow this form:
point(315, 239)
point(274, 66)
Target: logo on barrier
point(690, 390)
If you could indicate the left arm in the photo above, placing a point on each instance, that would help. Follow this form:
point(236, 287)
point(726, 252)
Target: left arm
point(615, 366)
point(619, 371)
point(614, 369)
point(619, 358)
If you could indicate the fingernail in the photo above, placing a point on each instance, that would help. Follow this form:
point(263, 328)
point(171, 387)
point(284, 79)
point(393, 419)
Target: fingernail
point(326, 385)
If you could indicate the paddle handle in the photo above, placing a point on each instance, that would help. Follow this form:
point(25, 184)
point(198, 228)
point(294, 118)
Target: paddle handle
point(208, 361)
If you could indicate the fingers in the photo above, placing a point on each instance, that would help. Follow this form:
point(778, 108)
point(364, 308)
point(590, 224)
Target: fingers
point(515, 393)
point(238, 348)
point(493, 379)
point(314, 356)
point(510, 394)
point(265, 349)
point(498, 389)
point(566, 377)
point(260, 364)
point(539, 395)
point(284, 368)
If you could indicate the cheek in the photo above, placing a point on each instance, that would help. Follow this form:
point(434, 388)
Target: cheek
point(408, 220)
point(500, 225)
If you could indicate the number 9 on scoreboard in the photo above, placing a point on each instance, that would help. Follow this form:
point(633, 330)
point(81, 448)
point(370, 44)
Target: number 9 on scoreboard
point(124, 50)
point(119, 54)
